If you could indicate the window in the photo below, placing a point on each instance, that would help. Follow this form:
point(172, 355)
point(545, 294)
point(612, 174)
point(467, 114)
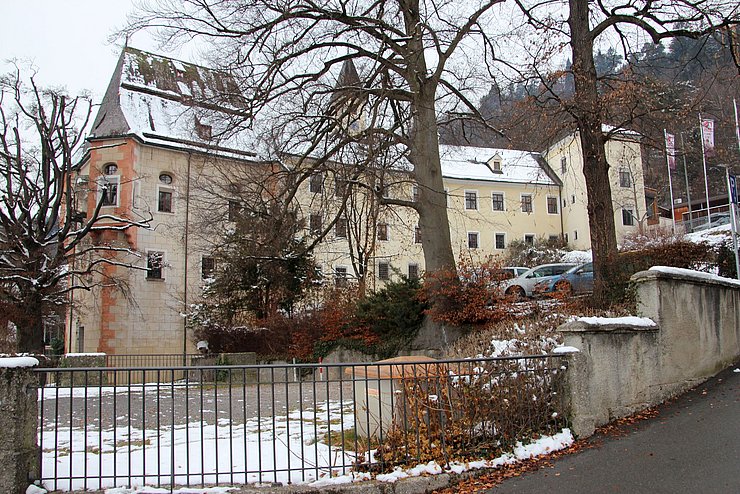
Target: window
point(154, 264)
point(566, 238)
point(384, 271)
point(340, 228)
point(529, 239)
point(497, 201)
point(340, 275)
point(108, 188)
point(526, 203)
point(316, 183)
point(447, 198)
point(110, 169)
point(573, 199)
point(234, 210)
point(471, 199)
point(564, 203)
point(473, 240)
point(628, 218)
point(417, 234)
point(553, 239)
point(413, 271)
point(165, 178)
point(563, 165)
point(203, 131)
point(500, 241)
point(552, 205)
point(340, 187)
point(575, 234)
point(497, 165)
point(314, 224)
point(625, 180)
point(383, 231)
point(415, 193)
point(207, 267)
point(164, 201)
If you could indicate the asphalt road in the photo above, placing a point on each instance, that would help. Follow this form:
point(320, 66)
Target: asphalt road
point(691, 446)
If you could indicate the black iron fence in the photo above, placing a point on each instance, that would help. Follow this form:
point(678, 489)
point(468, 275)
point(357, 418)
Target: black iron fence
point(287, 423)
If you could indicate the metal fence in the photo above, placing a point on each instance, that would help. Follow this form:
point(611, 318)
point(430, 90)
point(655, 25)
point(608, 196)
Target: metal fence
point(286, 423)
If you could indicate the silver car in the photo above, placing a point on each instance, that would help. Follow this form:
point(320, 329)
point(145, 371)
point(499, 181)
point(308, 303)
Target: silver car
point(523, 285)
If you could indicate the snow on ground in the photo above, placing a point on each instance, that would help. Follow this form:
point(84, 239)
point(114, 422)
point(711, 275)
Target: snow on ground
point(147, 456)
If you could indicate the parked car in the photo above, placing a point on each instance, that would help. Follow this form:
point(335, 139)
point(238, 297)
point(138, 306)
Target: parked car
point(717, 219)
point(513, 271)
point(523, 285)
point(577, 280)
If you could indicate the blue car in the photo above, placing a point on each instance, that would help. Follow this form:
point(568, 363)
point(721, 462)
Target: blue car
point(577, 280)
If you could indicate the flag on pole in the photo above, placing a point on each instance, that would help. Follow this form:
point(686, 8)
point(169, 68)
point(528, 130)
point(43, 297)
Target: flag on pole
point(707, 136)
point(670, 150)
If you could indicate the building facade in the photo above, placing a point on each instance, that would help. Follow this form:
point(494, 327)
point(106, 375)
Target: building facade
point(155, 151)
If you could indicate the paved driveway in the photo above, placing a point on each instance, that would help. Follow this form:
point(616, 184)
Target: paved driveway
point(692, 446)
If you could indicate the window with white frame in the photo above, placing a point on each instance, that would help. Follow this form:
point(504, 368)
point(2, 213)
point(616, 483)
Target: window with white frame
point(471, 199)
point(497, 201)
point(473, 238)
point(382, 231)
point(154, 265)
point(500, 241)
point(340, 275)
point(340, 228)
point(384, 270)
point(552, 205)
point(628, 217)
point(108, 185)
point(316, 183)
point(563, 165)
point(413, 271)
point(164, 200)
point(497, 161)
point(529, 239)
point(625, 179)
point(526, 203)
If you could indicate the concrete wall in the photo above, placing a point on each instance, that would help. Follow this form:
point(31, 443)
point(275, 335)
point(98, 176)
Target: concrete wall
point(623, 368)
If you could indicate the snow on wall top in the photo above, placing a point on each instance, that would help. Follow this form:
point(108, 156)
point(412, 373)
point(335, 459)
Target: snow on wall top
point(15, 362)
point(477, 163)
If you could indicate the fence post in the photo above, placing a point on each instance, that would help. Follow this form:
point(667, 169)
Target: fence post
point(19, 453)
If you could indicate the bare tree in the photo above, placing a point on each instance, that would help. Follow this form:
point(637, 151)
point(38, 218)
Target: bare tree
point(411, 63)
point(49, 244)
point(581, 27)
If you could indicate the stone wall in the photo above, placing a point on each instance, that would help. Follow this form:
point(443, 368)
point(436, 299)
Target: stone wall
point(19, 453)
point(623, 368)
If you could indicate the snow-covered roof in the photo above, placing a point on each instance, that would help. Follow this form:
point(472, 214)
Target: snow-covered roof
point(477, 163)
point(167, 102)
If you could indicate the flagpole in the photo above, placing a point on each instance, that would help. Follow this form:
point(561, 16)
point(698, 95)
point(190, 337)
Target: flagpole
point(670, 181)
point(737, 125)
point(704, 162)
point(686, 178)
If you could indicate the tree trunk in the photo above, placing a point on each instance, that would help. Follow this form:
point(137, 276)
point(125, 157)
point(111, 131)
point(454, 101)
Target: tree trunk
point(424, 149)
point(432, 204)
point(587, 111)
point(30, 327)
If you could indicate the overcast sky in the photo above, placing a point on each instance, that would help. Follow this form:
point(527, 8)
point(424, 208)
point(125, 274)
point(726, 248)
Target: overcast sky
point(67, 40)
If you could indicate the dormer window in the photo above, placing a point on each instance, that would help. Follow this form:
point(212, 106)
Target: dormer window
point(497, 163)
point(202, 130)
